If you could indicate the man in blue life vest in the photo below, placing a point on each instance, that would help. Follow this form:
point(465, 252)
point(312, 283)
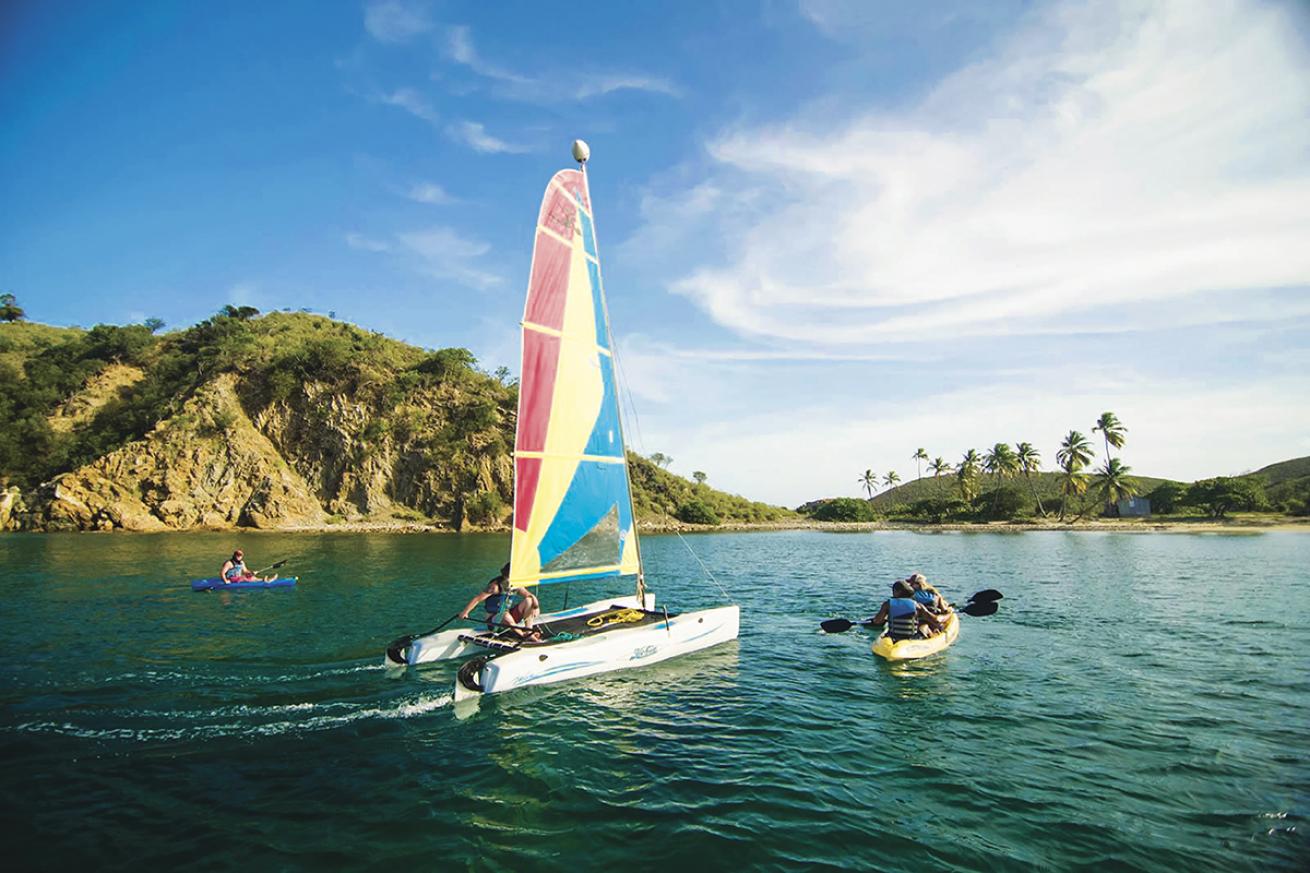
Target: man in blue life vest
point(510, 607)
point(904, 616)
point(234, 570)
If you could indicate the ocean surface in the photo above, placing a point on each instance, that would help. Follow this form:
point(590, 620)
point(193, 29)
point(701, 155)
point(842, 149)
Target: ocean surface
point(1139, 702)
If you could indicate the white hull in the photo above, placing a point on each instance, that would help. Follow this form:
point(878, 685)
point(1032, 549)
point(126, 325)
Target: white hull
point(602, 653)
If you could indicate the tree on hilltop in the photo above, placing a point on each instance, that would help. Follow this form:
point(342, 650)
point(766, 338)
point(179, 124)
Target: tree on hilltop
point(699, 476)
point(938, 466)
point(9, 308)
point(869, 481)
point(154, 325)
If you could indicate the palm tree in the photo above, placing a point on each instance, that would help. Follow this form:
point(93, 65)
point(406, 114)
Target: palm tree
point(1112, 429)
point(891, 479)
point(1030, 461)
point(1002, 463)
point(869, 481)
point(967, 475)
point(919, 457)
point(1074, 454)
point(1113, 482)
point(938, 466)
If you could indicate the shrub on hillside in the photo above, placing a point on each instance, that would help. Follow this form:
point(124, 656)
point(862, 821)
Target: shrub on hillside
point(1166, 498)
point(939, 509)
point(1001, 503)
point(844, 509)
point(697, 512)
point(484, 507)
point(1223, 494)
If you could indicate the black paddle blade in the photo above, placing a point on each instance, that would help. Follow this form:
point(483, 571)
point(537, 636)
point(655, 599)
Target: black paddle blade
point(987, 595)
point(980, 609)
point(837, 625)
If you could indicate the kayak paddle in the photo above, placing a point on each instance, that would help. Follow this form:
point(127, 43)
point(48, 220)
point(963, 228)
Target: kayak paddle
point(980, 604)
point(270, 567)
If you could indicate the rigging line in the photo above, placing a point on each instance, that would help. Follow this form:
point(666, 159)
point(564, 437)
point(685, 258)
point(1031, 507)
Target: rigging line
point(627, 391)
point(683, 540)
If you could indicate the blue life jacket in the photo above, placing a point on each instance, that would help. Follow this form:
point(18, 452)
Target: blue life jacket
point(492, 603)
point(901, 621)
point(238, 570)
point(925, 598)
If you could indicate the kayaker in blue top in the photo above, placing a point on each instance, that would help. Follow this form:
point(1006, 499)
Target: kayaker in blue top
point(904, 616)
point(234, 570)
point(510, 607)
point(926, 594)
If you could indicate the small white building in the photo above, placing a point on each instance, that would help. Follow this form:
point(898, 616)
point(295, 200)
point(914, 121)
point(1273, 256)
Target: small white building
point(1135, 507)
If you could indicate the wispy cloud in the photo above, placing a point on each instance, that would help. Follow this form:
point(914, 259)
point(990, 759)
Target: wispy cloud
point(445, 254)
point(412, 102)
point(429, 192)
point(362, 243)
point(439, 252)
point(396, 21)
point(1093, 162)
point(564, 84)
point(475, 136)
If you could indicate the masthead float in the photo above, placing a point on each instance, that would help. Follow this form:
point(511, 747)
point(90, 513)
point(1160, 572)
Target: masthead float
point(573, 516)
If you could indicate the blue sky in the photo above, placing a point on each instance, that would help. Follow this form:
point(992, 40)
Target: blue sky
point(833, 232)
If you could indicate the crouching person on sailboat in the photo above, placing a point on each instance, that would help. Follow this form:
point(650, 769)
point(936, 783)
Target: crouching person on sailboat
point(511, 607)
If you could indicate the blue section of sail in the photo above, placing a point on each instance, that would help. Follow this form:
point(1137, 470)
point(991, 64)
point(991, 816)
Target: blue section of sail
point(596, 490)
point(602, 328)
point(588, 234)
point(606, 439)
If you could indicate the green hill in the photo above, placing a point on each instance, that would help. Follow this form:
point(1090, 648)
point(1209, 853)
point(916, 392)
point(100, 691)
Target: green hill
point(284, 420)
point(1045, 486)
point(1287, 484)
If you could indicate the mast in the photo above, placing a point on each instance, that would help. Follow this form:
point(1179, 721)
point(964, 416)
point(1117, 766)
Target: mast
point(581, 154)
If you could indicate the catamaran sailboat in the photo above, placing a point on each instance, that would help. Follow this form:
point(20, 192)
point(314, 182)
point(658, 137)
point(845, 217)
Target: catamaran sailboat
point(573, 511)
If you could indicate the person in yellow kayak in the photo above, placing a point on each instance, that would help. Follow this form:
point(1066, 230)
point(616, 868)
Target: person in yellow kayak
point(505, 606)
point(905, 617)
point(234, 570)
point(926, 594)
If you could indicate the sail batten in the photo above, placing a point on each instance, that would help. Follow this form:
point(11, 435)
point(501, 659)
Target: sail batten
point(572, 496)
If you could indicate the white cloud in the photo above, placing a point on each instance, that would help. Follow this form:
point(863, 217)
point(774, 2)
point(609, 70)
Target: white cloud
point(565, 83)
point(444, 254)
point(395, 21)
point(439, 252)
point(429, 192)
point(412, 102)
point(1102, 157)
point(367, 244)
point(475, 136)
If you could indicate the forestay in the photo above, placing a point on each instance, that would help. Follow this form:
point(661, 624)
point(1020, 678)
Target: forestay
point(572, 504)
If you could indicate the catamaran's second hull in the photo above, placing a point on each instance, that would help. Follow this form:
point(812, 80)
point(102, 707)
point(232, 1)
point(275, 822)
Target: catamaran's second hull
point(603, 653)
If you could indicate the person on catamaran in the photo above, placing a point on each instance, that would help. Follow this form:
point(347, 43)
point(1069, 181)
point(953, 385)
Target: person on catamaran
point(234, 570)
point(926, 594)
point(905, 617)
point(509, 607)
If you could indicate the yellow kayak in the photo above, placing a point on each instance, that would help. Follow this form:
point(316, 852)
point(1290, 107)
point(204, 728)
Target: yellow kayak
point(908, 650)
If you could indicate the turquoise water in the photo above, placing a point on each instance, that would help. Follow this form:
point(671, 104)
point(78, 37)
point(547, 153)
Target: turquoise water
point(1140, 702)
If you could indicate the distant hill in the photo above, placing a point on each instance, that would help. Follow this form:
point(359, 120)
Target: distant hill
point(1283, 471)
point(1046, 486)
point(277, 421)
point(1287, 482)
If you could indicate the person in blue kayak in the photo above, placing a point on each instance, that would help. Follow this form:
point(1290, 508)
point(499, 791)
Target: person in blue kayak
point(234, 570)
point(905, 617)
point(505, 606)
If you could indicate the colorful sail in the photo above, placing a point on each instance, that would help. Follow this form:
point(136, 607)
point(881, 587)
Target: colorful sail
point(572, 505)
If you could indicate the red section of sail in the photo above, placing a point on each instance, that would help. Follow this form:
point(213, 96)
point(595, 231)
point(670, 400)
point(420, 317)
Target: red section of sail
point(526, 473)
point(536, 389)
point(573, 182)
point(558, 212)
point(548, 288)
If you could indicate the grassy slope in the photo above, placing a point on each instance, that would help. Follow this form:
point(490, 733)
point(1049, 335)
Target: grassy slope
point(658, 494)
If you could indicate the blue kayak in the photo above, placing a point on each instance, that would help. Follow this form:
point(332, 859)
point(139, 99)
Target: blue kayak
point(217, 583)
